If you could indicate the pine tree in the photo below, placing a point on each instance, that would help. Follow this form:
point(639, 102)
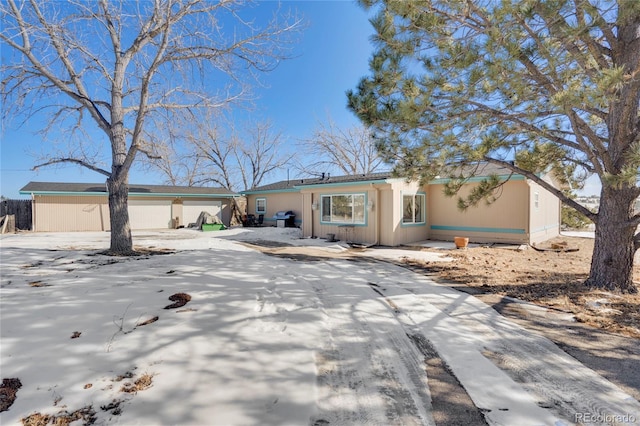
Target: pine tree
point(531, 85)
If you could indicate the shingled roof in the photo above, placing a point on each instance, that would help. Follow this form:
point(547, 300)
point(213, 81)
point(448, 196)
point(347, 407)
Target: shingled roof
point(134, 189)
point(479, 170)
point(294, 184)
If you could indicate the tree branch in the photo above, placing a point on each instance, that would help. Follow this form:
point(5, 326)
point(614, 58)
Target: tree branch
point(546, 185)
point(77, 161)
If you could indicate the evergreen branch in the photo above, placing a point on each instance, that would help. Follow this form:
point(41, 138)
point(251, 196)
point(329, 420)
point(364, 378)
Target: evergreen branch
point(546, 185)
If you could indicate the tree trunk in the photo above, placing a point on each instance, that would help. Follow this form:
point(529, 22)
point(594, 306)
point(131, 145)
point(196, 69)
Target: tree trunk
point(121, 241)
point(613, 252)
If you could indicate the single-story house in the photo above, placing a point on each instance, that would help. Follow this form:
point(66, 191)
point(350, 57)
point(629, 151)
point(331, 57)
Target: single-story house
point(379, 209)
point(84, 206)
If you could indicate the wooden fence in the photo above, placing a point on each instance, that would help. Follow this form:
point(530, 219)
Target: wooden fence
point(21, 209)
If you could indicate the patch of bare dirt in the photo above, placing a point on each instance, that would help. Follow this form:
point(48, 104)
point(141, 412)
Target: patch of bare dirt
point(287, 251)
point(8, 391)
point(551, 279)
point(179, 299)
point(138, 251)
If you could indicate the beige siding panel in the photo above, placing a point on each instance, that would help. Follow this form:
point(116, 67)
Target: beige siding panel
point(277, 201)
point(387, 223)
point(393, 231)
point(359, 233)
point(176, 213)
point(308, 213)
point(505, 220)
point(191, 209)
point(545, 214)
point(187, 211)
point(70, 213)
point(407, 233)
point(149, 213)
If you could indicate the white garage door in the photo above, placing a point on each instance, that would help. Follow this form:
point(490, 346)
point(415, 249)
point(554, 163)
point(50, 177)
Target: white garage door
point(191, 210)
point(150, 214)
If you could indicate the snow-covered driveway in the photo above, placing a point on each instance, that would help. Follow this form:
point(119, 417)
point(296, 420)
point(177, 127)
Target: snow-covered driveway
point(266, 340)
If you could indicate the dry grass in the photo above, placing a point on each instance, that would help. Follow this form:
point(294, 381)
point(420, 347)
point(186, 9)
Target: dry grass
point(549, 279)
point(86, 414)
point(143, 382)
point(147, 322)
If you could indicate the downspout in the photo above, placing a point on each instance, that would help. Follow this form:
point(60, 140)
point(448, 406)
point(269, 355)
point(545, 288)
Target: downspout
point(33, 212)
point(377, 215)
point(312, 218)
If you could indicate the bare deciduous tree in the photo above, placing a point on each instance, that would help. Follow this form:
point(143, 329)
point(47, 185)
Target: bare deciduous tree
point(260, 153)
point(206, 152)
point(348, 151)
point(115, 64)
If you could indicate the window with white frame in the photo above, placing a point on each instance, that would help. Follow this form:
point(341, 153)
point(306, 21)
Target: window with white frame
point(413, 207)
point(261, 205)
point(536, 200)
point(343, 208)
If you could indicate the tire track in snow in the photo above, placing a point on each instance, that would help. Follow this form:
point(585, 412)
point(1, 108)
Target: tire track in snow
point(369, 371)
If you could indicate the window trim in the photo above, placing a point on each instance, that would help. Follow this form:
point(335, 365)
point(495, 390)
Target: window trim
point(423, 207)
point(347, 194)
point(258, 211)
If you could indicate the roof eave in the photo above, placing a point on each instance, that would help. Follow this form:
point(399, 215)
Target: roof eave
point(477, 179)
point(334, 184)
point(269, 191)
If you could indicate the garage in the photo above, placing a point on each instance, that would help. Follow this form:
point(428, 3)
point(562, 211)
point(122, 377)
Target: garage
point(191, 209)
point(68, 206)
point(149, 214)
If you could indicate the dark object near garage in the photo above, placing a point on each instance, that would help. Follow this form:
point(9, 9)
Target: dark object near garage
point(285, 219)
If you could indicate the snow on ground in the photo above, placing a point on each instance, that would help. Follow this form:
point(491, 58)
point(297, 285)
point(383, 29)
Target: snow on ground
point(264, 340)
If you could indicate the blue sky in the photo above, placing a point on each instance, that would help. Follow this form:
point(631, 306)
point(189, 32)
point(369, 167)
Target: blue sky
point(331, 56)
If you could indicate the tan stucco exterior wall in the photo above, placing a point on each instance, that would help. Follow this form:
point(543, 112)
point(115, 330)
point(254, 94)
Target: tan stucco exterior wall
point(176, 213)
point(64, 213)
point(505, 220)
point(393, 231)
point(277, 201)
point(367, 233)
point(545, 214)
point(383, 217)
point(70, 213)
point(177, 206)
